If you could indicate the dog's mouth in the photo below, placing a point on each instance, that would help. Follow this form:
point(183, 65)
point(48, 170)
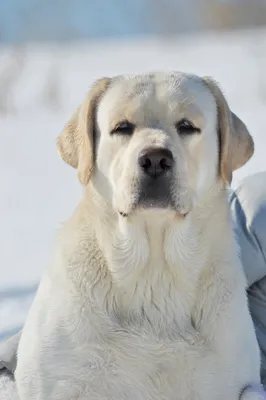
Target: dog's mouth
point(123, 214)
point(158, 200)
point(144, 202)
point(172, 213)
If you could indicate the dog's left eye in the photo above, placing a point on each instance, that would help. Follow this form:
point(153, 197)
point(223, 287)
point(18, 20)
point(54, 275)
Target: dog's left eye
point(123, 128)
point(185, 127)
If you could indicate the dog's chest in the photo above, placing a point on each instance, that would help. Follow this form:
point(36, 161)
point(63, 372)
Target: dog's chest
point(150, 357)
point(130, 366)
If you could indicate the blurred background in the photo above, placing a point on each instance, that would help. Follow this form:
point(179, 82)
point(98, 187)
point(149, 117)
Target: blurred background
point(50, 52)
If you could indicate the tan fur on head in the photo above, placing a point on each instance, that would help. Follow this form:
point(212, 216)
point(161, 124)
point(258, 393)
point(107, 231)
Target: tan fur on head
point(236, 144)
point(75, 144)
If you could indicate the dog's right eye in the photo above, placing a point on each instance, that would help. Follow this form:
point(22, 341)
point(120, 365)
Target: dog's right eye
point(123, 128)
point(185, 127)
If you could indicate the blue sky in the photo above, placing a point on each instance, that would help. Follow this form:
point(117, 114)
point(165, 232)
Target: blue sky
point(30, 20)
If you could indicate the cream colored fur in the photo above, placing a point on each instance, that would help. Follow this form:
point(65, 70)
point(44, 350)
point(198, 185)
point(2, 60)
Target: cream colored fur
point(145, 303)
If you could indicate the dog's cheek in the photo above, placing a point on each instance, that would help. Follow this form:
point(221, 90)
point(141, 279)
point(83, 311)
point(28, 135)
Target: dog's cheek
point(103, 159)
point(121, 183)
point(200, 158)
point(183, 185)
point(207, 165)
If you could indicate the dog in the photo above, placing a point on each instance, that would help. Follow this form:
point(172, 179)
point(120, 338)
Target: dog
point(145, 297)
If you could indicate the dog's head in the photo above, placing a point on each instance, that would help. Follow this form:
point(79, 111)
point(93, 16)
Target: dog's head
point(155, 141)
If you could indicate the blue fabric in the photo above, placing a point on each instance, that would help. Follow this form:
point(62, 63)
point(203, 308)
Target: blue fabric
point(248, 205)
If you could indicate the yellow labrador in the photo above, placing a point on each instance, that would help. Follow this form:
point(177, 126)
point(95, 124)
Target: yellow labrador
point(145, 297)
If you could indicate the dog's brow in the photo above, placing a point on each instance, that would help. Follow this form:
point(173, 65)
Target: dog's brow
point(140, 88)
point(119, 117)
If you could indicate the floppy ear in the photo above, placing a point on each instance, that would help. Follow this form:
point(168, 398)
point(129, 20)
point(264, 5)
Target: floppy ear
point(236, 144)
point(75, 144)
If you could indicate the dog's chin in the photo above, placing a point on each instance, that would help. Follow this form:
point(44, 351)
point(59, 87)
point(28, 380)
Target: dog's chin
point(162, 212)
point(161, 204)
point(154, 205)
point(158, 208)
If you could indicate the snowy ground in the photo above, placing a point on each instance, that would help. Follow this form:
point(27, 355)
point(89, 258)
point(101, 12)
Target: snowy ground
point(39, 89)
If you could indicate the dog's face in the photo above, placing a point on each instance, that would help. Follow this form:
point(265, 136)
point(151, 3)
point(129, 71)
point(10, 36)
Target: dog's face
point(157, 145)
point(156, 141)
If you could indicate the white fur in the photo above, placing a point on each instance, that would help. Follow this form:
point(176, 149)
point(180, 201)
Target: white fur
point(152, 305)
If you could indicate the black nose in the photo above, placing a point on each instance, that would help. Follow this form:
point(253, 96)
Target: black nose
point(155, 161)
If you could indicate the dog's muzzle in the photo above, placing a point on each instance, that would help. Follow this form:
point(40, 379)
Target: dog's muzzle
point(156, 165)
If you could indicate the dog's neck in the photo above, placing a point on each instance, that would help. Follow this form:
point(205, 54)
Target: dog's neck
point(149, 265)
point(130, 244)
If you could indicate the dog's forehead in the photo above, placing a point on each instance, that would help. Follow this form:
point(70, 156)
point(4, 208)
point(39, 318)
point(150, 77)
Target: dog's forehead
point(157, 91)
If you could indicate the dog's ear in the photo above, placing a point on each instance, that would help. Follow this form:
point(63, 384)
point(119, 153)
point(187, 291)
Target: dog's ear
point(75, 144)
point(236, 144)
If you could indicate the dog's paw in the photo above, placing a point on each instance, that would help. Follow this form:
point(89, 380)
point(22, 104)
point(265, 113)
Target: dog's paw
point(253, 392)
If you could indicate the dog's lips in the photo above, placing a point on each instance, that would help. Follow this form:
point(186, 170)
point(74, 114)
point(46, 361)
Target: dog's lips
point(123, 214)
point(173, 212)
point(180, 216)
point(169, 212)
point(165, 207)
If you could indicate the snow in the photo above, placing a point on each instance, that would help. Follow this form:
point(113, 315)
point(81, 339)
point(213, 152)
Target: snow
point(41, 85)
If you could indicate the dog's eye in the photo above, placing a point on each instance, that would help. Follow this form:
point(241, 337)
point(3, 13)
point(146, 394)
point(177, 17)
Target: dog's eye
point(123, 128)
point(185, 127)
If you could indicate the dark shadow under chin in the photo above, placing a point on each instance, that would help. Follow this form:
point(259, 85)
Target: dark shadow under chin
point(155, 194)
point(160, 204)
point(158, 208)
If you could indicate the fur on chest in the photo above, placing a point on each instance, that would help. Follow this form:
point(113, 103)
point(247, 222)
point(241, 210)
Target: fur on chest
point(140, 366)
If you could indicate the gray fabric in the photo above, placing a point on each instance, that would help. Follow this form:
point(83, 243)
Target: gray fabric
point(8, 353)
point(248, 205)
point(8, 358)
point(8, 390)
